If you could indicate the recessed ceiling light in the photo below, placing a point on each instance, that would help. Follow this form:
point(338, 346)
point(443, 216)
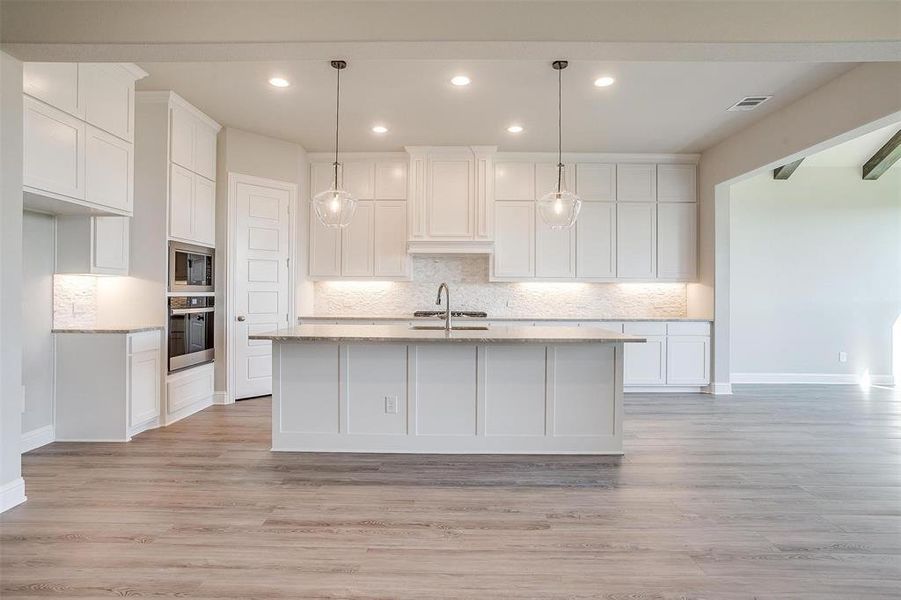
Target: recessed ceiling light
point(604, 81)
point(379, 129)
point(279, 82)
point(515, 128)
point(460, 80)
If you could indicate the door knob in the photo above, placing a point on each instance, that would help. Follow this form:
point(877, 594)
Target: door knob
point(241, 318)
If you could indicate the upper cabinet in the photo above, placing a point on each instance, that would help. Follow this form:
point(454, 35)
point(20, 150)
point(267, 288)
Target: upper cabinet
point(451, 199)
point(78, 135)
point(192, 139)
point(374, 245)
point(638, 221)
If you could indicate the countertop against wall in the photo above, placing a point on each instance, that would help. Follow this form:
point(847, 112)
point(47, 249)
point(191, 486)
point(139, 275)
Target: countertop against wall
point(493, 318)
point(124, 329)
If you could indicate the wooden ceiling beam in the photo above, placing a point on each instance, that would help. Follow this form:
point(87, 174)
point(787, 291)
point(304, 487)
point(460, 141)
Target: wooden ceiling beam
point(884, 158)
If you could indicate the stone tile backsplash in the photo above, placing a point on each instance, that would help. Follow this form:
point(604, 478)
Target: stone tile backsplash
point(74, 301)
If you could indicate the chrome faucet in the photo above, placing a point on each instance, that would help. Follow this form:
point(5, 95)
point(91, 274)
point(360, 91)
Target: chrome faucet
point(447, 313)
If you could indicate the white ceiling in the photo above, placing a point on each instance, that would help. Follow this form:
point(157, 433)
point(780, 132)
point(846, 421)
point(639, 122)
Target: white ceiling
point(653, 107)
point(856, 152)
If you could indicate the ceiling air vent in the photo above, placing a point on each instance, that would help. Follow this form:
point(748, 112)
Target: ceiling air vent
point(749, 103)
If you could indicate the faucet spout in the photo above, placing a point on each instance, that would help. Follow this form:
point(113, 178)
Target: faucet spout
point(447, 312)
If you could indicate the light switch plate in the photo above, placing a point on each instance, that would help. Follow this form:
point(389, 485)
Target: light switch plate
point(391, 405)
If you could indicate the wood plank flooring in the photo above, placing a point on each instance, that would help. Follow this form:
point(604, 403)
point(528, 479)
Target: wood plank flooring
point(787, 492)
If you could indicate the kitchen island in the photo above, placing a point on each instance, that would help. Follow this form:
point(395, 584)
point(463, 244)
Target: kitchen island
point(395, 388)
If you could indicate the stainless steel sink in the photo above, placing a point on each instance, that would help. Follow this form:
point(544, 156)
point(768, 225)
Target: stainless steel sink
point(454, 328)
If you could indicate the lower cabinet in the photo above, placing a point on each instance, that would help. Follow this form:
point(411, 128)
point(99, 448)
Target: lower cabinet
point(107, 384)
point(675, 354)
point(187, 392)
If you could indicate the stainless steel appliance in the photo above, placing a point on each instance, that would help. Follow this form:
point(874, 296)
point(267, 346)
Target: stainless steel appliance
point(190, 268)
point(190, 331)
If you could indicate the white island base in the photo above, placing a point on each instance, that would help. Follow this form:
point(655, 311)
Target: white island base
point(434, 397)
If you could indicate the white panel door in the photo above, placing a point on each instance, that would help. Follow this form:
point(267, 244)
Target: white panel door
point(262, 292)
point(54, 83)
point(204, 207)
point(451, 201)
point(596, 182)
point(677, 240)
point(636, 240)
point(596, 240)
point(108, 93)
point(645, 363)
point(514, 239)
point(391, 180)
point(677, 183)
point(356, 243)
point(110, 245)
point(109, 162)
point(325, 248)
point(181, 203)
point(555, 251)
point(205, 151)
point(688, 360)
point(390, 239)
point(514, 181)
point(54, 149)
point(636, 183)
point(359, 178)
point(181, 138)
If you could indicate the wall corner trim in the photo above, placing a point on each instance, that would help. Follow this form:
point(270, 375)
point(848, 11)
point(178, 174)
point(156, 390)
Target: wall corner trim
point(12, 494)
point(720, 389)
point(222, 398)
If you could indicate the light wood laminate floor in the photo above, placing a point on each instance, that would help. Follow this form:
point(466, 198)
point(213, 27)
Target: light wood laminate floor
point(788, 492)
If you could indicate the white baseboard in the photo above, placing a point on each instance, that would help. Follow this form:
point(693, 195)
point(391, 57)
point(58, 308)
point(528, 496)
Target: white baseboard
point(187, 411)
point(809, 378)
point(12, 494)
point(221, 398)
point(662, 389)
point(38, 437)
point(720, 389)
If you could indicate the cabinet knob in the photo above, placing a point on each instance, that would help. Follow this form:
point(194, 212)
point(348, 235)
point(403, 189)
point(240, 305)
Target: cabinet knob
point(242, 318)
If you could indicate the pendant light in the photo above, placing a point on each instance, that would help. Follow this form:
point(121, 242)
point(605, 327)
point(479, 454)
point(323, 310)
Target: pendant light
point(559, 208)
point(335, 206)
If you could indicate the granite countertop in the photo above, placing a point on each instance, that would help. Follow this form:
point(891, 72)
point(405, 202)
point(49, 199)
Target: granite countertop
point(118, 329)
point(513, 319)
point(404, 333)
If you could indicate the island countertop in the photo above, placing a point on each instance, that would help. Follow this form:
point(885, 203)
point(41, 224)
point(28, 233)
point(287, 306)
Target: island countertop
point(405, 333)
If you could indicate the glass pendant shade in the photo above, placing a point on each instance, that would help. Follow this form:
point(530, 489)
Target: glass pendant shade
point(559, 208)
point(335, 207)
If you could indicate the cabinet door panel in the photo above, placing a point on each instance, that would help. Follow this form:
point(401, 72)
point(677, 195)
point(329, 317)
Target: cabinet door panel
point(687, 360)
point(205, 151)
point(181, 206)
point(450, 210)
point(514, 245)
point(356, 243)
point(54, 150)
point(677, 241)
point(325, 248)
point(677, 183)
point(390, 239)
point(636, 183)
point(555, 251)
point(391, 181)
point(108, 98)
point(596, 240)
point(204, 207)
point(144, 387)
point(181, 138)
point(109, 162)
point(359, 179)
point(636, 240)
point(596, 182)
point(514, 181)
point(645, 363)
point(110, 245)
point(53, 83)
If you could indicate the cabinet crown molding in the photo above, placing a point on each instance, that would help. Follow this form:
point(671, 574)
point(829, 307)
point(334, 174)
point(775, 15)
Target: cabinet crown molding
point(173, 99)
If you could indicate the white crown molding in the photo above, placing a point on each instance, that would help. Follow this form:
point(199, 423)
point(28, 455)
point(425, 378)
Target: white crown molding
point(12, 494)
point(173, 99)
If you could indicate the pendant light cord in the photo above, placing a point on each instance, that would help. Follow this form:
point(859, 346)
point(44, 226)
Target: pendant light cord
point(337, 122)
point(559, 129)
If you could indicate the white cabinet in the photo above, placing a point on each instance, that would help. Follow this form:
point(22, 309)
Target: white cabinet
point(596, 241)
point(187, 392)
point(356, 242)
point(109, 170)
point(325, 249)
point(54, 150)
point(677, 241)
point(55, 84)
point(644, 363)
point(546, 178)
point(636, 182)
point(107, 385)
point(390, 239)
point(514, 239)
point(676, 354)
point(514, 181)
point(92, 245)
point(391, 180)
point(677, 183)
point(596, 182)
point(451, 202)
point(687, 360)
point(193, 139)
point(192, 207)
point(108, 97)
point(555, 251)
point(636, 240)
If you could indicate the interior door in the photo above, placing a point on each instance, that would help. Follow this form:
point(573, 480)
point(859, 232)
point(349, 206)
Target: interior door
point(262, 293)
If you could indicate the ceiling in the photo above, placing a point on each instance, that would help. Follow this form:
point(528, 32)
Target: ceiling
point(652, 107)
point(856, 152)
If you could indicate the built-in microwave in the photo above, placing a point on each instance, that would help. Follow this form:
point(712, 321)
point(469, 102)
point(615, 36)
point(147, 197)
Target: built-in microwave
point(191, 323)
point(190, 268)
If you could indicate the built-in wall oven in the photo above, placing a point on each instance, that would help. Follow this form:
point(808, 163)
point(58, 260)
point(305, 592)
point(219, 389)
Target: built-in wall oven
point(190, 268)
point(190, 331)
